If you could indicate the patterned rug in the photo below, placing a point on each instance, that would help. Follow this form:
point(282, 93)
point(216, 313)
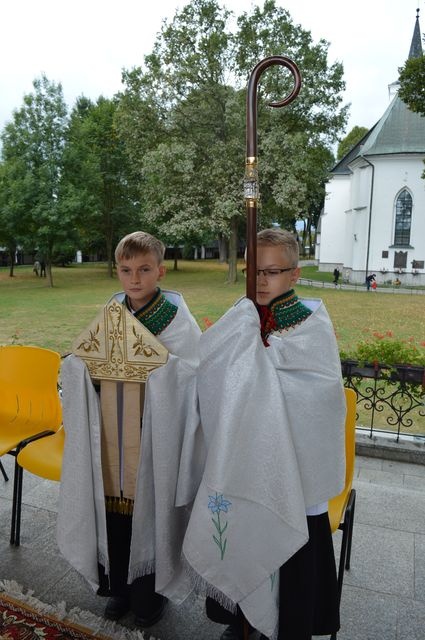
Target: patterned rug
point(23, 617)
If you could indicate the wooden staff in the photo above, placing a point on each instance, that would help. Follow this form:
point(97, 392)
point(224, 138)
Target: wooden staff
point(251, 190)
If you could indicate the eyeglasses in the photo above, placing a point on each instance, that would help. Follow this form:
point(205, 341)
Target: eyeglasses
point(270, 273)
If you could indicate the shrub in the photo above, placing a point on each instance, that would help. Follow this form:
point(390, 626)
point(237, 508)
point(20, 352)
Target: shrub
point(384, 349)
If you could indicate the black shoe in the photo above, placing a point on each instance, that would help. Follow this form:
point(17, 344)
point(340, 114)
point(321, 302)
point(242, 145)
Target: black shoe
point(234, 632)
point(117, 607)
point(154, 617)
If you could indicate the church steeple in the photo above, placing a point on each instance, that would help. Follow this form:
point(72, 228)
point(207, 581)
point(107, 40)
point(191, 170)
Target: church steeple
point(416, 46)
point(415, 52)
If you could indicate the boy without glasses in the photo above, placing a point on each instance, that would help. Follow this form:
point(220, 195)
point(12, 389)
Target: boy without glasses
point(137, 540)
point(272, 407)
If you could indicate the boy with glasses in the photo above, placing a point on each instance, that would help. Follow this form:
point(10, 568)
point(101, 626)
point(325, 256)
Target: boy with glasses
point(273, 409)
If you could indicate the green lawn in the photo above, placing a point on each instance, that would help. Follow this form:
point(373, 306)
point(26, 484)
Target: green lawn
point(33, 313)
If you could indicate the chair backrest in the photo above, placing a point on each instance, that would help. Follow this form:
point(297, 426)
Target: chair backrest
point(28, 388)
point(338, 503)
point(350, 436)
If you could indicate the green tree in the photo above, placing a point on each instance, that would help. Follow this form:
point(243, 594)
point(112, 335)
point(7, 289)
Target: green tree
point(13, 207)
point(198, 71)
point(174, 211)
point(192, 107)
point(350, 141)
point(293, 142)
point(412, 84)
point(96, 180)
point(33, 145)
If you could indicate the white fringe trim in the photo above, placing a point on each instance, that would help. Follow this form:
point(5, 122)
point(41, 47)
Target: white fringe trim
point(140, 570)
point(76, 615)
point(205, 588)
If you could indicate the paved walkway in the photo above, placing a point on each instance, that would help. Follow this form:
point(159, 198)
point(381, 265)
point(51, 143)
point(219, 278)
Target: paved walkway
point(383, 593)
point(360, 287)
point(353, 287)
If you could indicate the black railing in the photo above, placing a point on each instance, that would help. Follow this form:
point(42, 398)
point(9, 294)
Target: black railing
point(389, 399)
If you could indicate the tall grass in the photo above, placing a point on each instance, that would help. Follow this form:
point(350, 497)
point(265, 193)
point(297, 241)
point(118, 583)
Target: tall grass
point(33, 313)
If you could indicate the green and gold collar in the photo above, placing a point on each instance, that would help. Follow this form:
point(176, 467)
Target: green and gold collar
point(157, 314)
point(288, 311)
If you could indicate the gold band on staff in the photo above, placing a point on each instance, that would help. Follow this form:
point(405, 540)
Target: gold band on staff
point(251, 189)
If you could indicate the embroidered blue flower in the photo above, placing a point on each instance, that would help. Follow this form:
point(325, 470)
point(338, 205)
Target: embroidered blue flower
point(217, 503)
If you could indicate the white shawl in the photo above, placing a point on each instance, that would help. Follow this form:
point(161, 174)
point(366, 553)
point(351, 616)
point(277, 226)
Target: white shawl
point(170, 414)
point(261, 412)
point(309, 369)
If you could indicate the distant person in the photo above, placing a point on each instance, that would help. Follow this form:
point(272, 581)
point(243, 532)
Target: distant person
point(42, 269)
point(369, 279)
point(374, 285)
point(336, 276)
point(37, 268)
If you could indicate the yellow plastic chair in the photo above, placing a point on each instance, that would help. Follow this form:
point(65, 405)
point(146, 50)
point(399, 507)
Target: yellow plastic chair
point(30, 408)
point(341, 508)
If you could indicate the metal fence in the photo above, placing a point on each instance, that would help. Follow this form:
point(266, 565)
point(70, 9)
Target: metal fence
point(359, 287)
point(389, 399)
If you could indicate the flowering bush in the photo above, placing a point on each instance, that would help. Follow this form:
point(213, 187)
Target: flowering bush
point(384, 349)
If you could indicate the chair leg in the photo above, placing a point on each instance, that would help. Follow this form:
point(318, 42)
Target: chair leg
point(16, 505)
point(15, 532)
point(347, 533)
point(14, 500)
point(352, 507)
point(3, 471)
point(344, 526)
point(342, 557)
point(19, 508)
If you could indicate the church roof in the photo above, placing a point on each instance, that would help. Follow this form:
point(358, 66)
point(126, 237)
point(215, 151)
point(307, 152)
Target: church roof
point(398, 131)
point(342, 167)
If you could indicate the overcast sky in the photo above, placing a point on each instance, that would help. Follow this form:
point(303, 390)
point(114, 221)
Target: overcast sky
point(84, 44)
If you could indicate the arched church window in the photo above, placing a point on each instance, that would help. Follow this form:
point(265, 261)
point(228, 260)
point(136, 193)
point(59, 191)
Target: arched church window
point(403, 218)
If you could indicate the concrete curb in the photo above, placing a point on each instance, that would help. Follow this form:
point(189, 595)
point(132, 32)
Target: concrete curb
point(388, 449)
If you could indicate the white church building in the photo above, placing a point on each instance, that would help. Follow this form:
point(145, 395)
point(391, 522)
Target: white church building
point(373, 219)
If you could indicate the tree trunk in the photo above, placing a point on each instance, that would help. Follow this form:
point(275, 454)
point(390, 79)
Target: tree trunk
point(49, 272)
point(223, 247)
point(232, 276)
point(176, 249)
point(309, 235)
point(109, 266)
point(12, 262)
point(304, 236)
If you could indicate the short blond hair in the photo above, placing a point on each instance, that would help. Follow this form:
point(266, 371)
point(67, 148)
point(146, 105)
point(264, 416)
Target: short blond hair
point(280, 238)
point(139, 242)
